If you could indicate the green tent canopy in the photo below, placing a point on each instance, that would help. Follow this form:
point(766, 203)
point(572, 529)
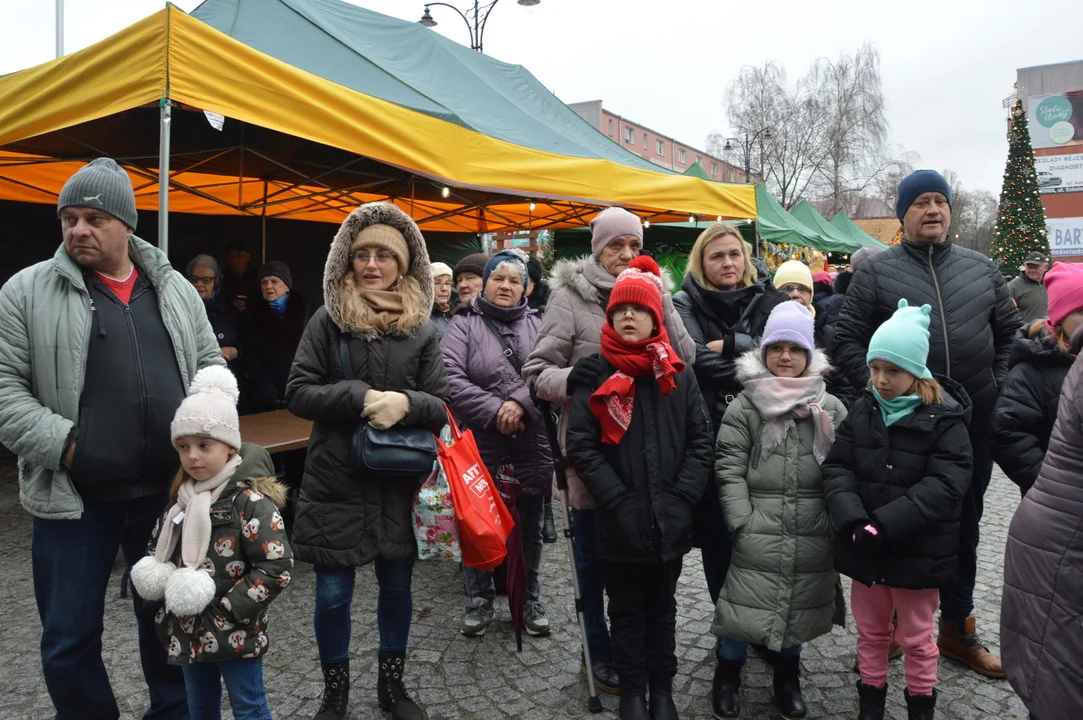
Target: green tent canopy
point(696, 170)
point(832, 240)
point(844, 224)
point(779, 227)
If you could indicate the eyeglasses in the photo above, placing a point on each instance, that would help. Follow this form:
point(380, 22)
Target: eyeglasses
point(201, 280)
point(383, 257)
point(782, 349)
point(635, 311)
point(442, 284)
point(794, 288)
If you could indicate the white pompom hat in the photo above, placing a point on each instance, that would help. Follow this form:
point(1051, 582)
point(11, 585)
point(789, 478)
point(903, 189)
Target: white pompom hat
point(210, 410)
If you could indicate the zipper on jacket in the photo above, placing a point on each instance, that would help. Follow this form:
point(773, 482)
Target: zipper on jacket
point(142, 377)
point(94, 317)
point(943, 317)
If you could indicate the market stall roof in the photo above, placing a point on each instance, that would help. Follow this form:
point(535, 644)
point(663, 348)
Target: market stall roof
point(328, 105)
point(779, 227)
point(842, 222)
point(696, 170)
point(832, 240)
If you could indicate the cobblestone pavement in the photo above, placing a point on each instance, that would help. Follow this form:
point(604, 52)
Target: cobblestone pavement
point(485, 678)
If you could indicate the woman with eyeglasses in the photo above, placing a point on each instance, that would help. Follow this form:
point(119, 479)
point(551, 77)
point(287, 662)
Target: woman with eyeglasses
point(378, 295)
point(271, 328)
point(206, 277)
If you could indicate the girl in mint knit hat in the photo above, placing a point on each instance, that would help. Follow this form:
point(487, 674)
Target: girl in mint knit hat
point(894, 482)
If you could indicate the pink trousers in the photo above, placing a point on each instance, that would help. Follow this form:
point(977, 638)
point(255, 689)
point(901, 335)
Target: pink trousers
point(873, 609)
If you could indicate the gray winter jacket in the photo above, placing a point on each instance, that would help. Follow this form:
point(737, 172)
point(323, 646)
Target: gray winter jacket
point(1041, 635)
point(45, 319)
point(572, 329)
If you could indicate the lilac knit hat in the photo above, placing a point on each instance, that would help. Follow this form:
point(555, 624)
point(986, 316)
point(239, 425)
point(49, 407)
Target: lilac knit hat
point(789, 322)
point(611, 223)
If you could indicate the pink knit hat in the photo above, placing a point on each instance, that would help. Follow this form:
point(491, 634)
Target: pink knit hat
point(1064, 285)
point(612, 223)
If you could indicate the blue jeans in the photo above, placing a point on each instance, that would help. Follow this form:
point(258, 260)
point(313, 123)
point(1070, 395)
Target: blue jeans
point(591, 586)
point(736, 650)
point(394, 608)
point(244, 683)
point(957, 596)
point(72, 562)
point(479, 583)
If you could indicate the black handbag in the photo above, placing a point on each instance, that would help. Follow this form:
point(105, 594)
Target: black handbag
point(404, 451)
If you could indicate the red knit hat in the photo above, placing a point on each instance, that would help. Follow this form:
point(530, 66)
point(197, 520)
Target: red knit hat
point(1064, 285)
point(639, 284)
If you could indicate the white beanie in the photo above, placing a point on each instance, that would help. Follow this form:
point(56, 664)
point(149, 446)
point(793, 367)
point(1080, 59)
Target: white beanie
point(210, 410)
point(439, 269)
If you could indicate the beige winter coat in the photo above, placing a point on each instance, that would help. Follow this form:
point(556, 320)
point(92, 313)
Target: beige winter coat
point(572, 329)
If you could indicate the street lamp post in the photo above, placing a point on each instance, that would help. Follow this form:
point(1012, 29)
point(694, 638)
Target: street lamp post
point(746, 145)
point(475, 19)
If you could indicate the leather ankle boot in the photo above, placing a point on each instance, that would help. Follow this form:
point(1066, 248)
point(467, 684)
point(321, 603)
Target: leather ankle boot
point(920, 707)
point(633, 707)
point(962, 644)
point(662, 706)
point(872, 701)
point(549, 527)
point(335, 704)
point(391, 692)
point(788, 700)
point(726, 689)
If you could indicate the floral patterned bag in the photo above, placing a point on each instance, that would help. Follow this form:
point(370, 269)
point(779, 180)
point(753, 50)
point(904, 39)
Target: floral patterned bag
point(435, 526)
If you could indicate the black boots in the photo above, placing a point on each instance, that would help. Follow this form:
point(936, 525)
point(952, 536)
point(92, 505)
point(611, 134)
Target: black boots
point(662, 705)
point(872, 701)
point(920, 707)
point(633, 707)
point(391, 692)
point(726, 689)
point(549, 527)
point(335, 704)
point(788, 700)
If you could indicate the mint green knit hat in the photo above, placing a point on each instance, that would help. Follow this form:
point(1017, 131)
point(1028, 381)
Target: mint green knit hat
point(903, 340)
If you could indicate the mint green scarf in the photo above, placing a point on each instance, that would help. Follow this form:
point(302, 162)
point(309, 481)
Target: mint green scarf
point(895, 410)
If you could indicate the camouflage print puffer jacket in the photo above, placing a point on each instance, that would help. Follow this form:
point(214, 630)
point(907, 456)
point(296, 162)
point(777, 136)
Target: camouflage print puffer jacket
point(249, 559)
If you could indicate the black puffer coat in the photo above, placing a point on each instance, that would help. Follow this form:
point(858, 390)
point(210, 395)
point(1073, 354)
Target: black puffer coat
point(1027, 408)
point(909, 479)
point(646, 486)
point(269, 346)
point(345, 518)
point(972, 323)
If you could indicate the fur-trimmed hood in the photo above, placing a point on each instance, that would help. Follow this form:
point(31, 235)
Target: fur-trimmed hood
point(569, 273)
point(269, 487)
point(751, 367)
point(338, 261)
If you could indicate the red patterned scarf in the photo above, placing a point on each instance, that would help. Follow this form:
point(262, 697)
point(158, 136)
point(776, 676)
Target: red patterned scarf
point(612, 402)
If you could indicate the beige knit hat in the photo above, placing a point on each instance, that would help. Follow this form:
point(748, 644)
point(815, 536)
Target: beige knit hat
point(210, 410)
point(385, 236)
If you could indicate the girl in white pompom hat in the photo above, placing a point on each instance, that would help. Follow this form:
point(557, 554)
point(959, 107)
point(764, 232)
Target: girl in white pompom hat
point(219, 555)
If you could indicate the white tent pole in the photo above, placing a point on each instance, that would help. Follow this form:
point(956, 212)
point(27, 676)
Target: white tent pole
point(59, 28)
point(163, 176)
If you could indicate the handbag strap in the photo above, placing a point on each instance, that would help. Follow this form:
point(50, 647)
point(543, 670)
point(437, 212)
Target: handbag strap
point(344, 355)
point(508, 352)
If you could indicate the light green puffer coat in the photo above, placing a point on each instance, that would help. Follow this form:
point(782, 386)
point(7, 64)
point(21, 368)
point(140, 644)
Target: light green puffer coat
point(45, 320)
point(780, 589)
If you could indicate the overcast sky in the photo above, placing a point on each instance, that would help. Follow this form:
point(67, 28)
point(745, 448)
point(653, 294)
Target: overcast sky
point(946, 65)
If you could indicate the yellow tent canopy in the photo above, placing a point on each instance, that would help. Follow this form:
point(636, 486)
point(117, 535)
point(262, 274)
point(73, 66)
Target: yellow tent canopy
point(297, 145)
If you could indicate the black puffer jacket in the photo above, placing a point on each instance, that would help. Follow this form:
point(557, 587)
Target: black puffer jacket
point(270, 343)
point(646, 486)
point(909, 479)
point(971, 327)
point(1027, 408)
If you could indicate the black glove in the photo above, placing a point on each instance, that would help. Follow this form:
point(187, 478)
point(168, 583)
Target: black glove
point(586, 372)
point(868, 537)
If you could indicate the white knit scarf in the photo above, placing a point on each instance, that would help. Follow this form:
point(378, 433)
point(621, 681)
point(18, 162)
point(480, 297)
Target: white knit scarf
point(193, 507)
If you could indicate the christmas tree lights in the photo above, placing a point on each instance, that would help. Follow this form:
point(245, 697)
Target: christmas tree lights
point(1020, 228)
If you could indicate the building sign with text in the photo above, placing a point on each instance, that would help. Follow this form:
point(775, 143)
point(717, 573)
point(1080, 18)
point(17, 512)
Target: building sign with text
point(1056, 120)
point(1065, 237)
point(1059, 173)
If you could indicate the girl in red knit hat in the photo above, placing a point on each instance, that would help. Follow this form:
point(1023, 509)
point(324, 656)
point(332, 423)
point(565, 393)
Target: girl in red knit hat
point(640, 439)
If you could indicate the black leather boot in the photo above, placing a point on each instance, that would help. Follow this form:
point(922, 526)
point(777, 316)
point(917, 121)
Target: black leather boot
point(549, 526)
point(662, 706)
point(920, 707)
point(788, 700)
point(633, 707)
point(391, 692)
point(872, 701)
point(726, 689)
point(335, 704)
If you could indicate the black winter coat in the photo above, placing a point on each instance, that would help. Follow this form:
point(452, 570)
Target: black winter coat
point(646, 486)
point(1027, 408)
point(343, 518)
point(270, 343)
point(971, 327)
point(909, 480)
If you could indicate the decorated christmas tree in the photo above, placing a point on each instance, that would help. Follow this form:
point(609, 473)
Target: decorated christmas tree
point(1020, 228)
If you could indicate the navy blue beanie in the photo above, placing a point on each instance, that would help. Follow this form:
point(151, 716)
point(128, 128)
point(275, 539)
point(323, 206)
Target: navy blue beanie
point(505, 256)
point(916, 183)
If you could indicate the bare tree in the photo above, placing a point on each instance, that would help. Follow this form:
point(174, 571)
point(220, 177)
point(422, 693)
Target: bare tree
point(973, 215)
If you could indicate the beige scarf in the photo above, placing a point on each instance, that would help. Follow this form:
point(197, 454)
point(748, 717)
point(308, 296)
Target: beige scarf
point(386, 307)
point(193, 508)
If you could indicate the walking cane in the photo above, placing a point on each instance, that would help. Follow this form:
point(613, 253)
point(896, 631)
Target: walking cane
point(560, 464)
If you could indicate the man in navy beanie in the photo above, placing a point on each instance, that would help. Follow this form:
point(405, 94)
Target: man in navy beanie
point(973, 321)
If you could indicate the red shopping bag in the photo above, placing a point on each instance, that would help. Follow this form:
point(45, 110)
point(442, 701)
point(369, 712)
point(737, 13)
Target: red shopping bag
point(484, 520)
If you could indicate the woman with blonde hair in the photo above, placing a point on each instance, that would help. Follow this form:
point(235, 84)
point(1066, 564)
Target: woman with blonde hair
point(725, 301)
point(378, 294)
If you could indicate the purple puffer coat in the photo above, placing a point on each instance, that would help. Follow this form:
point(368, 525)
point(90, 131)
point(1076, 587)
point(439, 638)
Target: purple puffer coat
point(1041, 617)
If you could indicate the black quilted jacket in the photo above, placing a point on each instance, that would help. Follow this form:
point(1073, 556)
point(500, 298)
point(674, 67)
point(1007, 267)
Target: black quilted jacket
point(971, 327)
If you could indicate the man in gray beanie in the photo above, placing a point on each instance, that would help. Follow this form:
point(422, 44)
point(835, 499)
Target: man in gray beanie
point(100, 343)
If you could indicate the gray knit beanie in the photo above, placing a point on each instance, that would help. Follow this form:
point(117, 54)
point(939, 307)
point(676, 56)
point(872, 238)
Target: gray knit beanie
point(103, 185)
